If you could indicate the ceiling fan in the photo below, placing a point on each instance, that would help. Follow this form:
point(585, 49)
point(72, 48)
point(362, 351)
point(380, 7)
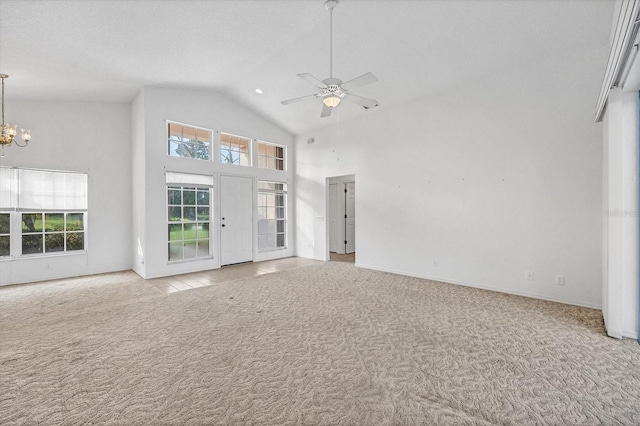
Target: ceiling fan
point(333, 90)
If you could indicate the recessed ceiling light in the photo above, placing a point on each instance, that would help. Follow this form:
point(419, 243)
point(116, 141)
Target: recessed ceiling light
point(259, 91)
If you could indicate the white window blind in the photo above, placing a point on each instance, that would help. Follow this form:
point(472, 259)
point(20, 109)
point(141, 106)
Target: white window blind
point(8, 188)
point(27, 189)
point(189, 179)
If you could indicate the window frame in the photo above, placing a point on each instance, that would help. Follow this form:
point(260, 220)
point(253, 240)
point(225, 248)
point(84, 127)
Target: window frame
point(275, 157)
point(42, 191)
point(210, 143)
point(43, 232)
point(262, 207)
point(197, 188)
point(247, 155)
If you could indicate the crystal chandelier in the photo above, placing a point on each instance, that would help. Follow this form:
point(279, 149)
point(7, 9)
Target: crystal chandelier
point(8, 133)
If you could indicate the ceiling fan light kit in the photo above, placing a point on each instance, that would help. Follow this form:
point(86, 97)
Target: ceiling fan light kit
point(333, 90)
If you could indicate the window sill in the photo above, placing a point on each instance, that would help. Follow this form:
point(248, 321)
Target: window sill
point(44, 256)
point(197, 259)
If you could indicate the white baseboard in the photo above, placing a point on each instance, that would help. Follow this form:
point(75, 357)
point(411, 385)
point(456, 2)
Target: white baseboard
point(480, 286)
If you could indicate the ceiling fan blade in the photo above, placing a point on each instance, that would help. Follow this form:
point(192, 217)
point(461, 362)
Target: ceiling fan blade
point(301, 98)
point(326, 111)
point(364, 102)
point(311, 79)
point(364, 79)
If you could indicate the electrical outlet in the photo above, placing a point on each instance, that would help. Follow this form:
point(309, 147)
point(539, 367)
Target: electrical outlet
point(560, 279)
point(530, 275)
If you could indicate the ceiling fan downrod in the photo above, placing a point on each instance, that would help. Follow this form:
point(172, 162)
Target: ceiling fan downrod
point(330, 5)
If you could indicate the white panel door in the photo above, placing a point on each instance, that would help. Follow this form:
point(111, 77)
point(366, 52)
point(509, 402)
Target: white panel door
point(350, 217)
point(335, 239)
point(236, 220)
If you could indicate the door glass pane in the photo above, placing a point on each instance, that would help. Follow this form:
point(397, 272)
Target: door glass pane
point(189, 231)
point(53, 242)
point(175, 251)
point(189, 214)
point(175, 214)
point(203, 198)
point(190, 249)
point(174, 196)
point(203, 248)
point(175, 232)
point(75, 241)
point(203, 231)
point(31, 244)
point(280, 241)
point(203, 213)
point(54, 222)
point(189, 197)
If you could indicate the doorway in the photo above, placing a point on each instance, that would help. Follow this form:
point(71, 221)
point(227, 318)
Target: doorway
point(341, 215)
point(236, 220)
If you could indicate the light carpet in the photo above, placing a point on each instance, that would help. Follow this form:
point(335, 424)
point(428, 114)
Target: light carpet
point(327, 344)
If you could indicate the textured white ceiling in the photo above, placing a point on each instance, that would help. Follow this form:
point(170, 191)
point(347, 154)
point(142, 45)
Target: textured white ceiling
point(95, 50)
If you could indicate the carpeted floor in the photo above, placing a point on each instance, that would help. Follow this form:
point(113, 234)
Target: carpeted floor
point(326, 344)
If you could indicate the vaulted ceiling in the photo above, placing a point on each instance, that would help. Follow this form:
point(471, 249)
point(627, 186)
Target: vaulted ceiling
point(108, 50)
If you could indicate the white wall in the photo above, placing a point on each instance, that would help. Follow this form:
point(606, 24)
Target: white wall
point(85, 137)
point(487, 181)
point(209, 110)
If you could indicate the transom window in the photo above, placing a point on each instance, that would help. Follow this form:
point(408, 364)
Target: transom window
point(188, 220)
point(189, 141)
point(272, 215)
point(52, 232)
point(235, 150)
point(271, 156)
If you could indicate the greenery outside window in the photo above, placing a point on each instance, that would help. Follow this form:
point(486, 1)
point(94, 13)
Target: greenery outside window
point(188, 222)
point(189, 141)
point(271, 156)
point(272, 216)
point(5, 234)
point(52, 232)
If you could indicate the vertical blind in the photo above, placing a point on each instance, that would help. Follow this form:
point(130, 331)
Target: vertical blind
point(626, 30)
point(29, 189)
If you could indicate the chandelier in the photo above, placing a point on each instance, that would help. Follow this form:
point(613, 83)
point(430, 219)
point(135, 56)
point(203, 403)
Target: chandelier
point(8, 131)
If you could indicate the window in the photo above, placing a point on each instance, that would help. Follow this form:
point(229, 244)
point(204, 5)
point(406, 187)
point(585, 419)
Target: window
point(52, 232)
point(270, 156)
point(235, 150)
point(5, 234)
point(272, 215)
point(50, 205)
point(189, 216)
point(189, 141)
